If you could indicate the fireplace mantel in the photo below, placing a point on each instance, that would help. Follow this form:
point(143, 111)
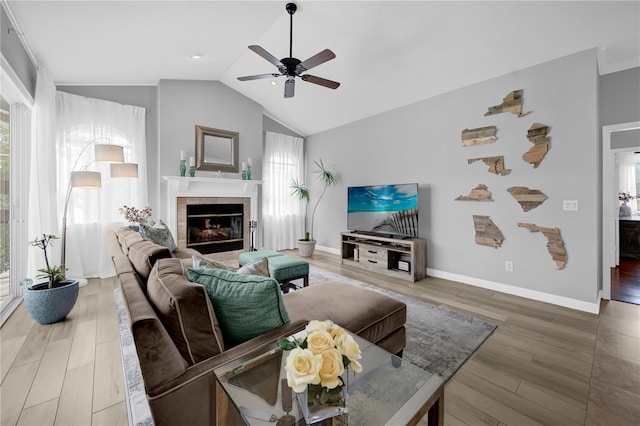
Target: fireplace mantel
point(178, 186)
point(234, 186)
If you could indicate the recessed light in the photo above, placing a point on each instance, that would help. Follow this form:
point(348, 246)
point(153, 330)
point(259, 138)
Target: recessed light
point(274, 83)
point(196, 56)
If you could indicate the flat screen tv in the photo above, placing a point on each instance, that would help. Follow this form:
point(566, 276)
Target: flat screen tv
point(387, 210)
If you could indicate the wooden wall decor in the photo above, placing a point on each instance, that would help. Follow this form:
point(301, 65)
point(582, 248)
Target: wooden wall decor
point(496, 164)
point(529, 199)
point(537, 135)
point(555, 245)
point(487, 233)
point(479, 136)
point(511, 103)
point(479, 193)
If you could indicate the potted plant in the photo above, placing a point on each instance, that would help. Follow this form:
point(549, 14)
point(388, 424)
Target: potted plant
point(52, 300)
point(307, 245)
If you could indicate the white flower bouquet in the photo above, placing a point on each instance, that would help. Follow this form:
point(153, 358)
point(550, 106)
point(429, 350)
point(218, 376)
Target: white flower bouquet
point(317, 362)
point(133, 215)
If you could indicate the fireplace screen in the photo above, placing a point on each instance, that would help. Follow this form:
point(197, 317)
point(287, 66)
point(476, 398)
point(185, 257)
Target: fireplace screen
point(213, 228)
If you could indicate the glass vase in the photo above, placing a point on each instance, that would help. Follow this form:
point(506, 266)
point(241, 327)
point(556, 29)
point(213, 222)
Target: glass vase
point(183, 167)
point(319, 403)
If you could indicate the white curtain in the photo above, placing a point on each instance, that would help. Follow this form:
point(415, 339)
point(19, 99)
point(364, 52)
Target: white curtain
point(283, 215)
point(43, 203)
point(627, 177)
point(92, 212)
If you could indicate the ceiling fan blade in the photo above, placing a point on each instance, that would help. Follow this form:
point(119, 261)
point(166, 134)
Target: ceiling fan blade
point(266, 55)
point(315, 60)
point(320, 81)
point(259, 76)
point(289, 87)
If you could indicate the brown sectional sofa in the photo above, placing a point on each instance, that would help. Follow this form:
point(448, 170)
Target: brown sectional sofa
point(178, 338)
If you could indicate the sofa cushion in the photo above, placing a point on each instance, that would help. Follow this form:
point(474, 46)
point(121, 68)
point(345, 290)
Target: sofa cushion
point(185, 310)
point(160, 234)
point(144, 255)
point(246, 305)
point(257, 267)
point(127, 237)
point(160, 361)
point(369, 314)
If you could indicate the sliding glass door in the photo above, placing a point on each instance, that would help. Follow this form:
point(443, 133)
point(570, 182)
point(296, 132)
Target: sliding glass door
point(15, 138)
point(5, 201)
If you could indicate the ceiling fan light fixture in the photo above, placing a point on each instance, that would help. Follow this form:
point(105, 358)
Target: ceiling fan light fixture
point(291, 67)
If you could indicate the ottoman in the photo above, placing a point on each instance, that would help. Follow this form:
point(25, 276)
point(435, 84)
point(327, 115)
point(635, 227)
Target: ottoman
point(282, 268)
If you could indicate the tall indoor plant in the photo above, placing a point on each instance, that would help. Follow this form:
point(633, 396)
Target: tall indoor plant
point(52, 300)
point(307, 245)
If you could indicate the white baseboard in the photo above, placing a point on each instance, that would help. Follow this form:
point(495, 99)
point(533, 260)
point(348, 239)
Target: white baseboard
point(328, 249)
point(580, 305)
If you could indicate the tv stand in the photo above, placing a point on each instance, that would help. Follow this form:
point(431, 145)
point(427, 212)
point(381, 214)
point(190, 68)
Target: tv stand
point(405, 259)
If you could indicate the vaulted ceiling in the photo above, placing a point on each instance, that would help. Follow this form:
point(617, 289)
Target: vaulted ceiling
point(388, 53)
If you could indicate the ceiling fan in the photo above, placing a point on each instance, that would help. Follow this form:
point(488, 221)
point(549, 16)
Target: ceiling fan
point(292, 67)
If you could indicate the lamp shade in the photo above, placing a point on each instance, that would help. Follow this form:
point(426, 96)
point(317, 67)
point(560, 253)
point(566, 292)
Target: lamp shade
point(86, 179)
point(109, 153)
point(124, 170)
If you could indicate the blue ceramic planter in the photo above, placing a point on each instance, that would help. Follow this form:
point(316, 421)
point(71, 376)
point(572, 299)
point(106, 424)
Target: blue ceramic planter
point(46, 305)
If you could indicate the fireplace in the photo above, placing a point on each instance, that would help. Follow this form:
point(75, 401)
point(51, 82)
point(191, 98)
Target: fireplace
point(214, 228)
point(183, 191)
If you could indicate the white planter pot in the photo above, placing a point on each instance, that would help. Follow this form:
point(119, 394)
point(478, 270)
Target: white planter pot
point(306, 248)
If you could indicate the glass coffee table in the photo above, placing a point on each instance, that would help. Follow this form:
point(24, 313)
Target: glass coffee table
point(389, 391)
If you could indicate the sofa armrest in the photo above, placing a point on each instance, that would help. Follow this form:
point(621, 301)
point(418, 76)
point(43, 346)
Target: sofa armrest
point(206, 367)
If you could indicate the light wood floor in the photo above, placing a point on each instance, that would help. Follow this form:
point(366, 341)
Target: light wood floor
point(543, 365)
point(68, 373)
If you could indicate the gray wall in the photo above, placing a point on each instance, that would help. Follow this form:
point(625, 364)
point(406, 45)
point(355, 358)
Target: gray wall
point(270, 125)
point(620, 97)
point(16, 55)
point(141, 96)
point(421, 143)
point(184, 104)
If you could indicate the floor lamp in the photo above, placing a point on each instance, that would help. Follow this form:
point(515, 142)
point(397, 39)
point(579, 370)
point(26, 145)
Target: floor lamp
point(104, 153)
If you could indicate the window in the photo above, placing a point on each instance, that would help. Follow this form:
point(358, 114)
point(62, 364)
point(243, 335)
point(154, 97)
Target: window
point(283, 216)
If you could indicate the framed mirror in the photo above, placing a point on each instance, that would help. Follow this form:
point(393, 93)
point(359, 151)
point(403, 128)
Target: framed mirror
point(216, 150)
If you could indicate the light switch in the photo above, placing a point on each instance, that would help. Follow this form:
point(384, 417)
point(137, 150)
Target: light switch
point(570, 205)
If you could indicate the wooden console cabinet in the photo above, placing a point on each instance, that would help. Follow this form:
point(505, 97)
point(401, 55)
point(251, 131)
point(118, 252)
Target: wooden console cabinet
point(405, 259)
point(630, 237)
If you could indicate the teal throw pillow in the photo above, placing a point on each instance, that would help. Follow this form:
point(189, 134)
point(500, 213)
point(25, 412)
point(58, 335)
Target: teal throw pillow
point(246, 306)
point(159, 233)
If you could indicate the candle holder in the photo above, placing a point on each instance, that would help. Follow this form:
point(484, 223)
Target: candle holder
point(192, 171)
point(183, 167)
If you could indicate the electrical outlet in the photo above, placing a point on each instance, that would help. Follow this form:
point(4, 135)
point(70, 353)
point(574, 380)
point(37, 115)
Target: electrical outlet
point(570, 205)
point(508, 266)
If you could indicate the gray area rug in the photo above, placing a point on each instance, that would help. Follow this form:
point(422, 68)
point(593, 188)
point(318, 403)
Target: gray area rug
point(137, 406)
point(438, 341)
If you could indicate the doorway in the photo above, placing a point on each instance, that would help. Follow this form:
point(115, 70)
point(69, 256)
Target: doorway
point(620, 275)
